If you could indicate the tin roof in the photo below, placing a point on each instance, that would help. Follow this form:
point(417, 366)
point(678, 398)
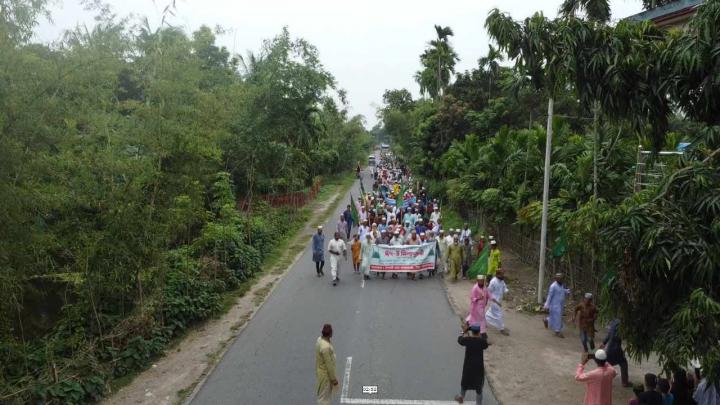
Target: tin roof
point(660, 13)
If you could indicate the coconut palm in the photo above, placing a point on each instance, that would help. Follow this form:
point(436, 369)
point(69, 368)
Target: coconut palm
point(438, 61)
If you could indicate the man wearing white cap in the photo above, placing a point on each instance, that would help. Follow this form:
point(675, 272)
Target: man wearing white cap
point(494, 315)
point(554, 304)
point(336, 247)
point(318, 249)
point(598, 382)
point(479, 299)
point(585, 314)
point(442, 253)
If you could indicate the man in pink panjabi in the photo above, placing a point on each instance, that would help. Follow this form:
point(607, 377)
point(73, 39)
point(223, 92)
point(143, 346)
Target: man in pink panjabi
point(598, 382)
point(479, 298)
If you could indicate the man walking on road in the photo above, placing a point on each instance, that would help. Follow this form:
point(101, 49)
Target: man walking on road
point(365, 256)
point(327, 383)
point(473, 375)
point(341, 227)
point(585, 313)
point(318, 249)
point(554, 304)
point(348, 220)
point(336, 247)
point(494, 315)
point(355, 247)
point(598, 383)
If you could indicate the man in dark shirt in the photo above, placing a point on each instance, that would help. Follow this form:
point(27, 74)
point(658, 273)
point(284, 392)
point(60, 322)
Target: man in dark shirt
point(651, 396)
point(473, 375)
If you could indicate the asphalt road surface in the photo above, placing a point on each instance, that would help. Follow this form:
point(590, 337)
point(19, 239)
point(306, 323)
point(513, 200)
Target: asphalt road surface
point(400, 336)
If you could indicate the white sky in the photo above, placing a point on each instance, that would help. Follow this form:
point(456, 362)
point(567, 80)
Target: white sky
point(368, 46)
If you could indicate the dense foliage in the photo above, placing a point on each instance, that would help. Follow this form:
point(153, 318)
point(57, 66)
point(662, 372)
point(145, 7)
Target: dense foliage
point(615, 87)
point(122, 151)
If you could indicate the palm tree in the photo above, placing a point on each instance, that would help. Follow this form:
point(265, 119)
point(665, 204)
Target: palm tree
point(595, 10)
point(532, 45)
point(491, 63)
point(438, 61)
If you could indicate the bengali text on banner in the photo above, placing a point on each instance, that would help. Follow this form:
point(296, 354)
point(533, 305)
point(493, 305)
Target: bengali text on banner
point(403, 258)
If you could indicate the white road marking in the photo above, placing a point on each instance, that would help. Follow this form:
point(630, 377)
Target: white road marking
point(372, 401)
point(363, 401)
point(346, 379)
point(363, 282)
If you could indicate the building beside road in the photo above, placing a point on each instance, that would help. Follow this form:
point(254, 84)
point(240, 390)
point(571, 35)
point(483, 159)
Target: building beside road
point(673, 15)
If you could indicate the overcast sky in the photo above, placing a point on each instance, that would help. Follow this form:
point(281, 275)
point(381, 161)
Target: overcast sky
point(368, 46)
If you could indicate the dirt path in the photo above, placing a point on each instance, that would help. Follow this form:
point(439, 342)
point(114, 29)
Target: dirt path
point(173, 377)
point(531, 366)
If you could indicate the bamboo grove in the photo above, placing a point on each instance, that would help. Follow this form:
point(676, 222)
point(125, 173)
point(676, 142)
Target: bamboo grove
point(480, 140)
point(123, 151)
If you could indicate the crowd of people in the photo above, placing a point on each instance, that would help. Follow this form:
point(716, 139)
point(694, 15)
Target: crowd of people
point(398, 211)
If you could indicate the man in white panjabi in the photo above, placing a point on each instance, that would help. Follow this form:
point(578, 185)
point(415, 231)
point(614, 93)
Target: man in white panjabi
point(336, 247)
point(448, 241)
point(494, 315)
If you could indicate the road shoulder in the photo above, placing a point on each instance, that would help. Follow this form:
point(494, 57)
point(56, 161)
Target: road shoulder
point(531, 366)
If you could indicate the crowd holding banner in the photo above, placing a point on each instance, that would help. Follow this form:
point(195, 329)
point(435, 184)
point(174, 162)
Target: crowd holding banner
point(403, 230)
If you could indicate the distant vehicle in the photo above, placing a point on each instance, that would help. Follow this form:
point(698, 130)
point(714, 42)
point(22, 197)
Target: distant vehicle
point(371, 160)
point(384, 146)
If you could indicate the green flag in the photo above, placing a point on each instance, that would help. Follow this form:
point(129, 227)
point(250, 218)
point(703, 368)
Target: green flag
point(354, 211)
point(481, 263)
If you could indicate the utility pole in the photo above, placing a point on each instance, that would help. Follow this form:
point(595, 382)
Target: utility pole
point(546, 193)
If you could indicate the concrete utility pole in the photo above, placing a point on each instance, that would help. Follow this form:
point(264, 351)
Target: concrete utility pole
point(546, 195)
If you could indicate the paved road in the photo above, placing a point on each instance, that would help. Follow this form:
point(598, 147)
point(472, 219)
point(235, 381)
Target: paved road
point(400, 334)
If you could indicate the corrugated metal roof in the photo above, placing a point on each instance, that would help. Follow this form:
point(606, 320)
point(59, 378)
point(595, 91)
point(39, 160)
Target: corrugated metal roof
point(671, 8)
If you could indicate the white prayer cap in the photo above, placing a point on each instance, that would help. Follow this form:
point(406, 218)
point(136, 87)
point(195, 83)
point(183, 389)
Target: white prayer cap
point(588, 296)
point(600, 355)
point(558, 274)
point(480, 277)
point(442, 231)
point(491, 237)
point(319, 226)
point(482, 236)
point(397, 232)
point(422, 233)
point(419, 220)
point(493, 242)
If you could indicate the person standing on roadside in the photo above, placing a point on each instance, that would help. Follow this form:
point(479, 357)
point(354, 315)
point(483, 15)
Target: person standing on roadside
point(555, 304)
point(336, 247)
point(473, 374)
point(365, 256)
point(318, 249)
point(585, 314)
point(327, 383)
point(598, 382)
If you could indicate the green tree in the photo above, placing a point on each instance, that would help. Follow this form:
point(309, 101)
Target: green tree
point(438, 63)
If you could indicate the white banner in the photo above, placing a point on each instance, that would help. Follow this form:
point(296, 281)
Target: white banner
point(408, 258)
